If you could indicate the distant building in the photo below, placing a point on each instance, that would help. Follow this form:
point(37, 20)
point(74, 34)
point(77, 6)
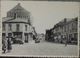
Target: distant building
point(67, 28)
point(41, 36)
point(49, 35)
point(17, 24)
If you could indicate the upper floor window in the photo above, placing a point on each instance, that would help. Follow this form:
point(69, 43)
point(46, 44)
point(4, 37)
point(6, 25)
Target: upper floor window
point(25, 16)
point(3, 26)
point(14, 15)
point(28, 17)
point(10, 27)
point(65, 28)
point(73, 26)
point(17, 27)
point(26, 27)
point(10, 14)
point(68, 27)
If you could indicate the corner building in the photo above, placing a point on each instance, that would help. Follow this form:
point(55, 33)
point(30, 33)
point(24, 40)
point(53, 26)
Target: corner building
point(17, 24)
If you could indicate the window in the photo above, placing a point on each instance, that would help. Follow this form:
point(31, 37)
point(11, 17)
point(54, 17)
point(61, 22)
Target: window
point(17, 27)
point(73, 27)
point(68, 27)
point(10, 14)
point(28, 17)
point(18, 15)
point(25, 16)
point(10, 27)
point(10, 34)
point(26, 27)
point(3, 27)
point(14, 15)
point(64, 28)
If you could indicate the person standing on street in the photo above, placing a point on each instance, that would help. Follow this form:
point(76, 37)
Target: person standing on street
point(65, 41)
point(4, 45)
point(9, 44)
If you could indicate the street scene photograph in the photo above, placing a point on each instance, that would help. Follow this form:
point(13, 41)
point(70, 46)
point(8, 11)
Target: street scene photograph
point(39, 28)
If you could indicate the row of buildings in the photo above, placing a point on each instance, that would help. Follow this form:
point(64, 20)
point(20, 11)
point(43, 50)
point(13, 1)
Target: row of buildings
point(17, 24)
point(65, 30)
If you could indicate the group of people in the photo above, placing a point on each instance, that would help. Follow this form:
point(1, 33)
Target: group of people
point(6, 44)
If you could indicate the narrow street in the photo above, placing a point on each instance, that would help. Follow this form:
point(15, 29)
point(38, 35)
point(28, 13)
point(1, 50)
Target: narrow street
point(43, 49)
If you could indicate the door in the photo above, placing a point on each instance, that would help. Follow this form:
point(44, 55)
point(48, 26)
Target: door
point(26, 37)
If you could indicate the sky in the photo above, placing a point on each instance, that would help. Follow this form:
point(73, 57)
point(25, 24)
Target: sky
point(44, 14)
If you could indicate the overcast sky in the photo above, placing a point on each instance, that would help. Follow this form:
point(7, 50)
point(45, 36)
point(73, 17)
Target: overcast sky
point(45, 14)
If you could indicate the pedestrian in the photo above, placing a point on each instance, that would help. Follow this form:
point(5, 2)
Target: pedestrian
point(34, 37)
point(4, 44)
point(9, 44)
point(65, 41)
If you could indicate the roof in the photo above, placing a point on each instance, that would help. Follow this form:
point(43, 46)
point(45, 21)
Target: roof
point(18, 8)
point(8, 20)
point(65, 21)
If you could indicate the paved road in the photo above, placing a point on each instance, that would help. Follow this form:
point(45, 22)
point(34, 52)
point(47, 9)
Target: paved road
point(43, 49)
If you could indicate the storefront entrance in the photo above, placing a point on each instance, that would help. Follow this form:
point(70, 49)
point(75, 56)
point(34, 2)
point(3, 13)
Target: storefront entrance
point(26, 37)
point(29, 38)
point(17, 36)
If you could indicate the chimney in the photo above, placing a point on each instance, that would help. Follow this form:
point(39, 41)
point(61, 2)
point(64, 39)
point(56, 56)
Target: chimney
point(19, 4)
point(65, 20)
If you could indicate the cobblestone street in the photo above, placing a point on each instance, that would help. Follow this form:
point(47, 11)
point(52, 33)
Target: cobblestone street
point(43, 49)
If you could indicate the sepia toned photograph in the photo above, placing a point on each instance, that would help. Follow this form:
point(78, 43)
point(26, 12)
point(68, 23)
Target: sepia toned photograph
point(39, 28)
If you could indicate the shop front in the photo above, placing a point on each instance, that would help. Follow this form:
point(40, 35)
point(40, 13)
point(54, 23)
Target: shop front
point(17, 37)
